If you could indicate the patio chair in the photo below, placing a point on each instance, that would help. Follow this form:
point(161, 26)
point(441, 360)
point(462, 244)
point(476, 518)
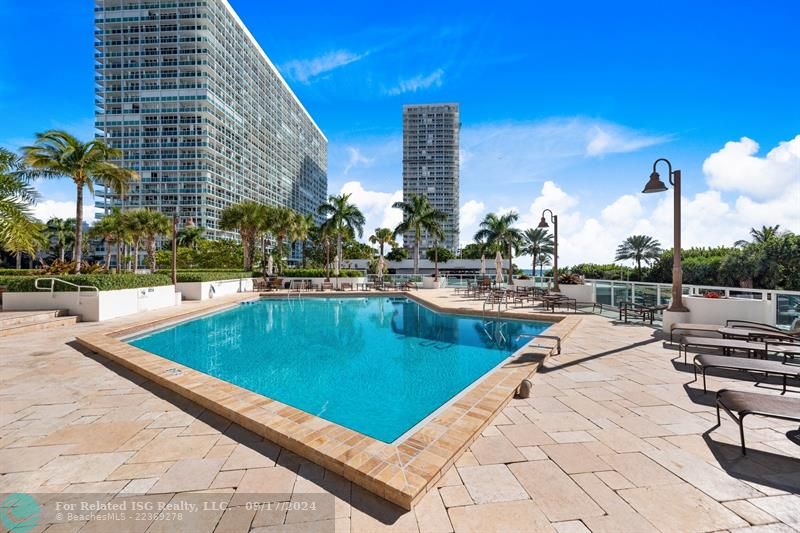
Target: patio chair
point(728, 346)
point(326, 286)
point(345, 285)
point(750, 403)
point(275, 284)
point(260, 284)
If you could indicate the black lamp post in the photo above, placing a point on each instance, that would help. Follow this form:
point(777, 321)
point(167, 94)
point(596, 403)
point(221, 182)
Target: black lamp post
point(543, 224)
point(656, 185)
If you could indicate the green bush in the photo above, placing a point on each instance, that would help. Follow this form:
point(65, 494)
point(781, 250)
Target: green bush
point(318, 273)
point(9, 272)
point(191, 276)
point(104, 282)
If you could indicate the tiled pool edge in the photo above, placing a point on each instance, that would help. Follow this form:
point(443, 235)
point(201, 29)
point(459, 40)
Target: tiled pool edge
point(400, 473)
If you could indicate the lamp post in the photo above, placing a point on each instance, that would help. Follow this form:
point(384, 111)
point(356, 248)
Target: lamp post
point(656, 185)
point(543, 224)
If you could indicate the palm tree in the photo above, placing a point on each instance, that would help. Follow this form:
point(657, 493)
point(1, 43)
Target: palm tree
point(154, 224)
point(61, 233)
point(29, 242)
point(189, 236)
point(135, 221)
point(498, 232)
point(418, 216)
point(538, 243)
point(282, 224)
point(105, 230)
point(18, 229)
point(760, 235)
point(301, 229)
point(247, 218)
point(344, 218)
point(56, 154)
point(383, 237)
point(116, 223)
point(639, 248)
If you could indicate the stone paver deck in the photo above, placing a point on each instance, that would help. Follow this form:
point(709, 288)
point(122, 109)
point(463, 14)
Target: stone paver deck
point(615, 437)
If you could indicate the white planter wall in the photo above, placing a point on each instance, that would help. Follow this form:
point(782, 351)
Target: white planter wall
point(581, 293)
point(720, 310)
point(428, 282)
point(91, 306)
point(204, 290)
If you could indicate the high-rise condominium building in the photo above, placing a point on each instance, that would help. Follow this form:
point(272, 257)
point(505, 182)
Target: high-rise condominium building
point(201, 113)
point(430, 165)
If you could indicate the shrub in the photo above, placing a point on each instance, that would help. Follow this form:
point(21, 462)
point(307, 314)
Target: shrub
point(12, 272)
point(104, 282)
point(569, 279)
point(192, 276)
point(318, 273)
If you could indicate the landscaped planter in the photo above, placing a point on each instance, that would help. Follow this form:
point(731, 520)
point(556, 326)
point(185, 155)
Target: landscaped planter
point(204, 290)
point(719, 310)
point(94, 306)
point(581, 293)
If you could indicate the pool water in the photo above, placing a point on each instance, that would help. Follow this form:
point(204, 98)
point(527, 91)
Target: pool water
point(376, 365)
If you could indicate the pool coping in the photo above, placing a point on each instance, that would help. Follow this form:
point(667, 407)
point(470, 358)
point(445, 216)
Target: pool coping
point(402, 472)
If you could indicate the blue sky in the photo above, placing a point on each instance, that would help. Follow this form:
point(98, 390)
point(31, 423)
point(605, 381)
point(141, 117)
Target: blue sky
point(563, 106)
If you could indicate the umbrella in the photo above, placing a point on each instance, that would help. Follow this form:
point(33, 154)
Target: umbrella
point(483, 265)
point(270, 265)
point(379, 268)
point(498, 267)
point(336, 265)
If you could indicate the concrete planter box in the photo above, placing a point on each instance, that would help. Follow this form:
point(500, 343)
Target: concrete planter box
point(204, 290)
point(719, 310)
point(92, 306)
point(581, 293)
point(428, 282)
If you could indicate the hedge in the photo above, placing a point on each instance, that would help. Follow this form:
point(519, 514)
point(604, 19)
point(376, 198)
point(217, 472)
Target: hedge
point(316, 273)
point(13, 272)
point(104, 282)
point(193, 276)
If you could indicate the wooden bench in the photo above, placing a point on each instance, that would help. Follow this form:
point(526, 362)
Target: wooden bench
point(749, 403)
point(775, 368)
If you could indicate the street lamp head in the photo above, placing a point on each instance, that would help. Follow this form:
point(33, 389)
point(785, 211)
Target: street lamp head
point(655, 184)
point(543, 223)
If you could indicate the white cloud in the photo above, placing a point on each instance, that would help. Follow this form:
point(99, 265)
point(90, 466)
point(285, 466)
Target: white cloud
point(304, 70)
point(469, 216)
point(376, 206)
point(736, 167)
point(355, 159)
point(530, 151)
point(47, 209)
point(612, 139)
point(412, 85)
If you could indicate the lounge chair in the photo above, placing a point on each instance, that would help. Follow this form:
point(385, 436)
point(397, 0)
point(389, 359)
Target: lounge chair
point(750, 403)
point(742, 324)
point(730, 345)
point(638, 311)
point(344, 285)
point(744, 364)
point(326, 286)
point(550, 302)
point(408, 285)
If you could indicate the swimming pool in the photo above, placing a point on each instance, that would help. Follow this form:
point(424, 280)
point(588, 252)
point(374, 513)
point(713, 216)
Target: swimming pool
point(376, 365)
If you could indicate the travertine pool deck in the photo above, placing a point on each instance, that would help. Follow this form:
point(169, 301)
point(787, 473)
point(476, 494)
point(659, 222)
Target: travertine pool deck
point(614, 438)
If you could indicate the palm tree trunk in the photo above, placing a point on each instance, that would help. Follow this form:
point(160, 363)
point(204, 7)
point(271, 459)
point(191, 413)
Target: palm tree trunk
point(152, 253)
point(78, 229)
point(435, 261)
point(119, 254)
point(416, 256)
point(510, 266)
point(108, 256)
point(278, 246)
point(327, 261)
point(19, 260)
point(62, 252)
point(339, 246)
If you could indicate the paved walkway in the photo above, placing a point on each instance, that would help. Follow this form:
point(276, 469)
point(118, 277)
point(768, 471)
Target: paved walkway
point(615, 438)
